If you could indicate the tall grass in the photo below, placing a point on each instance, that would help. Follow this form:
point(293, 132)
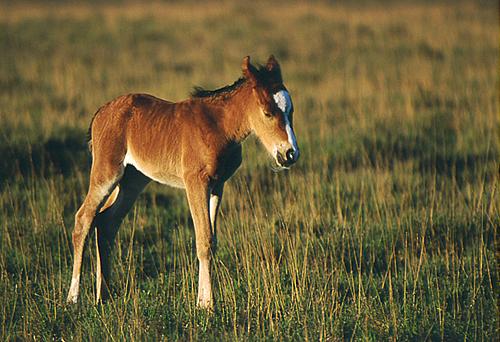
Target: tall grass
point(386, 228)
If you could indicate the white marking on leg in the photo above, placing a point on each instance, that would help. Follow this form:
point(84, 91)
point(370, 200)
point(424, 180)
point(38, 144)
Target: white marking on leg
point(73, 290)
point(214, 201)
point(204, 285)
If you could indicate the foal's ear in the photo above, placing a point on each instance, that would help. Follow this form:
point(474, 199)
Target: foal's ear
point(274, 70)
point(249, 71)
point(272, 64)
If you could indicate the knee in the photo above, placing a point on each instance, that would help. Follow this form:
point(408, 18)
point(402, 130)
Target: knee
point(204, 250)
point(79, 216)
point(82, 226)
point(83, 218)
point(77, 230)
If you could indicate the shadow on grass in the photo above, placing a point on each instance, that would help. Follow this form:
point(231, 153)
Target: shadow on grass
point(57, 155)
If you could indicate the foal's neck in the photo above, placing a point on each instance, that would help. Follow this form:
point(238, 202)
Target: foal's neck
point(235, 108)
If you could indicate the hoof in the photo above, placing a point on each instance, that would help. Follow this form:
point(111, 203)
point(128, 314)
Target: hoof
point(206, 304)
point(73, 291)
point(72, 299)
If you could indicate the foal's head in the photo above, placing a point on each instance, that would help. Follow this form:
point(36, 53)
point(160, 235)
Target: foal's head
point(272, 122)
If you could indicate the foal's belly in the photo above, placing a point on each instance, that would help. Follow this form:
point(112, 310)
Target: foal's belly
point(170, 180)
point(160, 175)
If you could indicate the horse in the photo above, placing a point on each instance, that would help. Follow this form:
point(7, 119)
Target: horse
point(194, 144)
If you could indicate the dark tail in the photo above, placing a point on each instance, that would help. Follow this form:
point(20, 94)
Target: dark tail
point(89, 136)
point(89, 132)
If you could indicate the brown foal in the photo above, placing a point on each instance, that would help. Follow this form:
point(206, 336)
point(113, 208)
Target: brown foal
point(194, 144)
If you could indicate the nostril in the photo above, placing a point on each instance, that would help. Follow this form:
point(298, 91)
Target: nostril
point(280, 159)
point(290, 154)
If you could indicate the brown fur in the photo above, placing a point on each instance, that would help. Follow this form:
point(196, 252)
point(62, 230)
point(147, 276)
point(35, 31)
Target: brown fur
point(193, 144)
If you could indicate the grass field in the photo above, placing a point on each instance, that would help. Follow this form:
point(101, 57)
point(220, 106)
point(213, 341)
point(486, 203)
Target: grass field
point(386, 228)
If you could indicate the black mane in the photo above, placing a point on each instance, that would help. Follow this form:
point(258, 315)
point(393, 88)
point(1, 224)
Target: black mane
point(200, 92)
point(262, 73)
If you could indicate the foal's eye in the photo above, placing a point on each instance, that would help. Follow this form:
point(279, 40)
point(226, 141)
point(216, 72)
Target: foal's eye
point(268, 114)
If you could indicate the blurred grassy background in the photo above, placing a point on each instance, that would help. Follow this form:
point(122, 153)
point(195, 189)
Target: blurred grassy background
point(386, 227)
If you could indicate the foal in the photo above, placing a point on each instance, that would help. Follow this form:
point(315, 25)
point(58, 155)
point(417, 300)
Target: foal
point(194, 144)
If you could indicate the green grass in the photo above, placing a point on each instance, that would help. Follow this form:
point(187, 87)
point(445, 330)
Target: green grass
point(386, 228)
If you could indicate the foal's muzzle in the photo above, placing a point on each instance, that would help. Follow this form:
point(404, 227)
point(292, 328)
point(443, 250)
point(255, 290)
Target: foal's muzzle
point(288, 158)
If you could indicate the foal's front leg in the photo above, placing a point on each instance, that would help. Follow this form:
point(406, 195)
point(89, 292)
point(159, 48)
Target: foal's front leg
point(198, 194)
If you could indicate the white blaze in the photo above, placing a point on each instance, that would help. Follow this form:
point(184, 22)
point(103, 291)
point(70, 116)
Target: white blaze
point(284, 102)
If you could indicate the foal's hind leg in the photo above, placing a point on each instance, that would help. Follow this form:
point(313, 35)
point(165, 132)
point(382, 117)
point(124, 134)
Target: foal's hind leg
point(102, 181)
point(108, 222)
point(214, 205)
